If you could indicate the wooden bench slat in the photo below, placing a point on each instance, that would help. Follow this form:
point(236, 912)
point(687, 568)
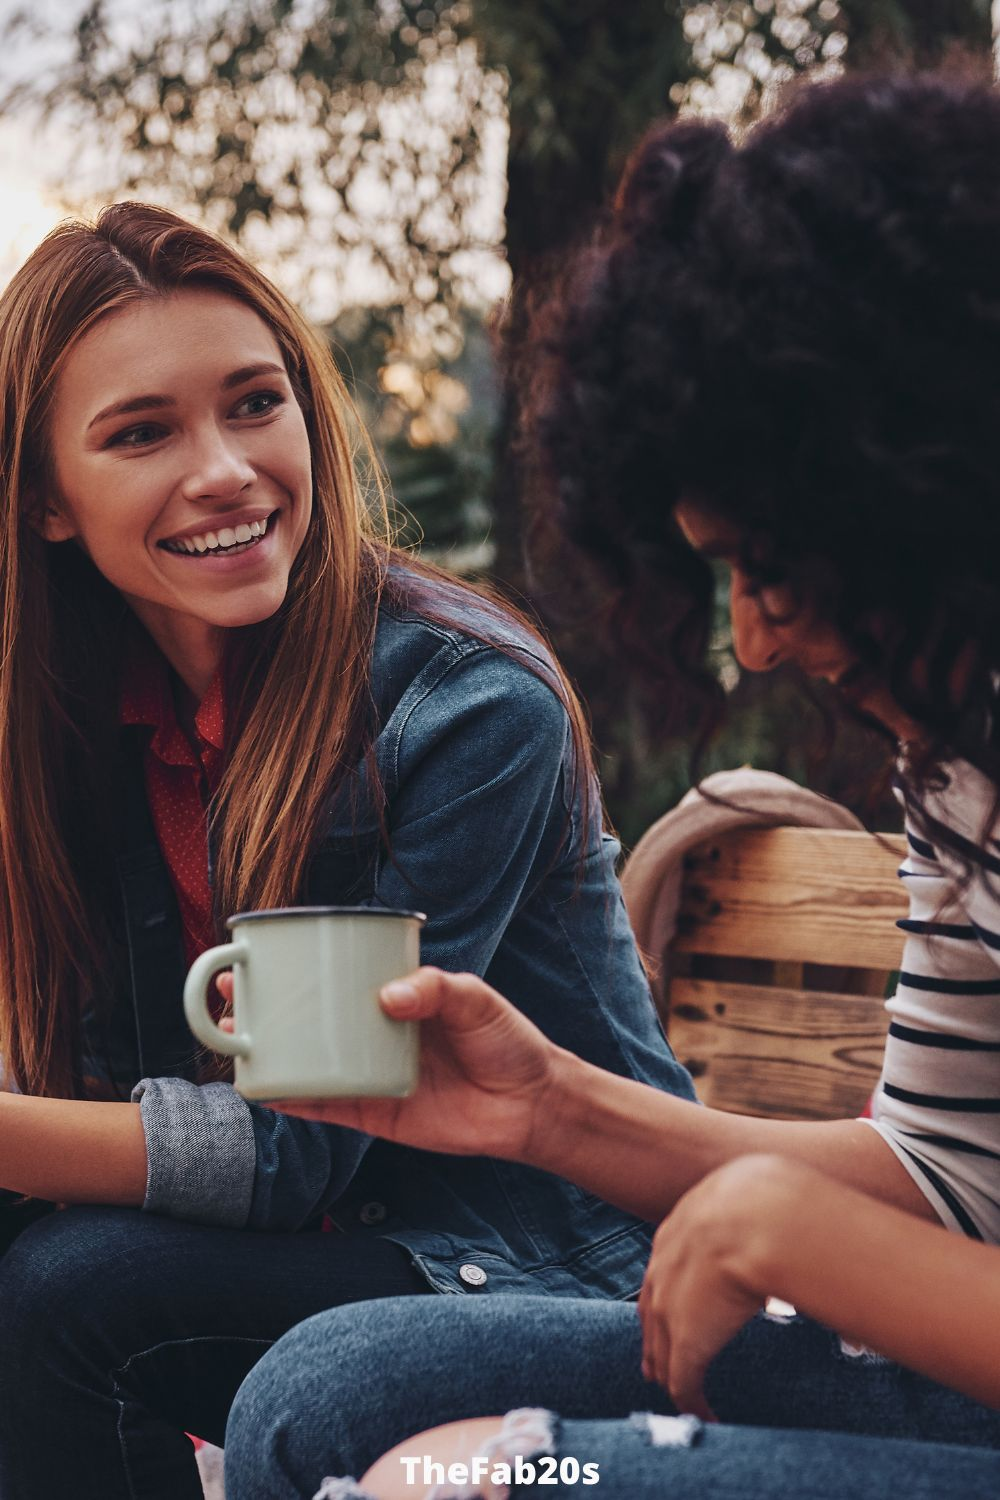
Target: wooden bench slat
point(800, 1054)
point(795, 895)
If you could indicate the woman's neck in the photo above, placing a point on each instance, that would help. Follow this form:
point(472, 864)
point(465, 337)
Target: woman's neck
point(194, 649)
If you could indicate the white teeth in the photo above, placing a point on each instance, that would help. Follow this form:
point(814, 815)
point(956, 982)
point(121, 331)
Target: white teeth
point(226, 538)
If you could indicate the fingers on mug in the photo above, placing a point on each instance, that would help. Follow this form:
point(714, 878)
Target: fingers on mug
point(204, 969)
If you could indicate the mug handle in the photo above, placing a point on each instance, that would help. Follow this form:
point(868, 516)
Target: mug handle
point(200, 976)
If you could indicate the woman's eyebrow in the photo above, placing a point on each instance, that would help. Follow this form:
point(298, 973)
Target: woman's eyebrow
point(156, 403)
point(134, 403)
point(250, 372)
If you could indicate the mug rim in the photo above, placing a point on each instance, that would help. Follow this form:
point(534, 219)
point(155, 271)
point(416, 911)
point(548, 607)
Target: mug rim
point(273, 912)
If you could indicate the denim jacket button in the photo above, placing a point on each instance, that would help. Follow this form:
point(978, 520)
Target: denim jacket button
point(472, 1275)
point(372, 1213)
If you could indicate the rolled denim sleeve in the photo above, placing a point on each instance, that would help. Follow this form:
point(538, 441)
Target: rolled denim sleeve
point(212, 1158)
point(200, 1153)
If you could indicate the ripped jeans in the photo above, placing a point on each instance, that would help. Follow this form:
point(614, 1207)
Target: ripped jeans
point(798, 1416)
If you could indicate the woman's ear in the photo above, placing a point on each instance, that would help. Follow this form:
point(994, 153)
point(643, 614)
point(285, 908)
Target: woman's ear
point(53, 523)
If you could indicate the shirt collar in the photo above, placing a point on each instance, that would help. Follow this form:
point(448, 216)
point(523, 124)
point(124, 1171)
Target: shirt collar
point(147, 698)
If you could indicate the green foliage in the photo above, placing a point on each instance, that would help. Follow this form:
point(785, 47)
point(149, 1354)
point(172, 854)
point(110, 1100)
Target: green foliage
point(351, 132)
point(434, 426)
point(923, 32)
point(742, 50)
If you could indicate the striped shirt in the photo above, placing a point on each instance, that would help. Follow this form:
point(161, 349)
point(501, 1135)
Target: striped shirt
point(938, 1101)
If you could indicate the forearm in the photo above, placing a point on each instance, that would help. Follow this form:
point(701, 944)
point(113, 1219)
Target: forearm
point(922, 1296)
point(643, 1149)
point(72, 1151)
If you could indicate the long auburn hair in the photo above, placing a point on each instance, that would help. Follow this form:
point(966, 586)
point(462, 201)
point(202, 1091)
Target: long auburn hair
point(297, 683)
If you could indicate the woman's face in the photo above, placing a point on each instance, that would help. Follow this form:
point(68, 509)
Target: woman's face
point(770, 626)
point(183, 468)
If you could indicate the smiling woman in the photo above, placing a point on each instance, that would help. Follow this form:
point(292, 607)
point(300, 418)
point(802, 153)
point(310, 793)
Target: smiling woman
point(216, 452)
point(222, 689)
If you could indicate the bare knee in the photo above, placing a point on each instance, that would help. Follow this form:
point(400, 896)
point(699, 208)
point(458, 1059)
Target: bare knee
point(413, 1467)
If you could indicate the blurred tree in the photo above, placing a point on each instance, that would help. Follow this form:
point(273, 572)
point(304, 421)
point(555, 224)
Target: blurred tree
point(923, 32)
point(433, 426)
point(346, 140)
point(742, 50)
point(584, 78)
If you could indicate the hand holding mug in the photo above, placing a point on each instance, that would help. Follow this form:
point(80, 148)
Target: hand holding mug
point(485, 1073)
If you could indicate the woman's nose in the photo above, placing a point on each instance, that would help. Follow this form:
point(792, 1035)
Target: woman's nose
point(217, 468)
point(757, 642)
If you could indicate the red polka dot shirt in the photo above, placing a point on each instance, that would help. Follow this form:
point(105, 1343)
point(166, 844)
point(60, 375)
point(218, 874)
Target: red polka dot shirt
point(181, 776)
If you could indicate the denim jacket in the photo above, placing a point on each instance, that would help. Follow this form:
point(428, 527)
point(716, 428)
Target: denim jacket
point(486, 836)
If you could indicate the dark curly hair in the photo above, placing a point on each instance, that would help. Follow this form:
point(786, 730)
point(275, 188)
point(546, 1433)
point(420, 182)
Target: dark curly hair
point(801, 334)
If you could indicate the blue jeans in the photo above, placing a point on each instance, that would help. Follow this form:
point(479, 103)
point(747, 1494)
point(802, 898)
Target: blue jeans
point(343, 1388)
point(120, 1331)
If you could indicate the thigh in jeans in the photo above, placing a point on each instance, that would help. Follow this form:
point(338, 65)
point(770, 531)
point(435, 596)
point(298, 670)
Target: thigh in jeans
point(122, 1330)
point(343, 1388)
point(794, 1373)
point(651, 1457)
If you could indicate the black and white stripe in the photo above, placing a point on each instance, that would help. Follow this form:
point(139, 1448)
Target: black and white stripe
point(938, 1104)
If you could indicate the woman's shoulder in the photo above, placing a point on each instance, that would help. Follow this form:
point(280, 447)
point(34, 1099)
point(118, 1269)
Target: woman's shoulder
point(426, 616)
point(958, 810)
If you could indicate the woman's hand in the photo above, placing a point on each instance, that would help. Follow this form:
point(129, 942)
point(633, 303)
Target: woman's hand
point(765, 1226)
point(485, 1071)
point(706, 1276)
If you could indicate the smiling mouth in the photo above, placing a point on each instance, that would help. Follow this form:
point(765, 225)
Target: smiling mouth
point(225, 542)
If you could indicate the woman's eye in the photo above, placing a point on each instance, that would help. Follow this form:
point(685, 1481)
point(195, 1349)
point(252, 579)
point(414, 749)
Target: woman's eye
point(259, 403)
point(136, 437)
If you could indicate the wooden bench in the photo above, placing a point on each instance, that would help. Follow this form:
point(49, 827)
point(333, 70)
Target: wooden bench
point(772, 987)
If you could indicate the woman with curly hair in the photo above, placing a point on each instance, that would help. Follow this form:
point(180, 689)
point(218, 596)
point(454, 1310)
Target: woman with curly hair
point(784, 355)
